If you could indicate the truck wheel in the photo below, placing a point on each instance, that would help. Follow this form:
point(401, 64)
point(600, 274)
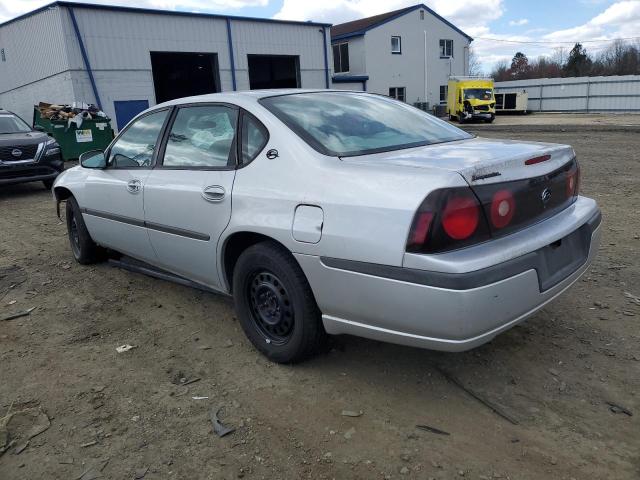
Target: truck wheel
point(84, 249)
point(275, 304)
point(461, 118)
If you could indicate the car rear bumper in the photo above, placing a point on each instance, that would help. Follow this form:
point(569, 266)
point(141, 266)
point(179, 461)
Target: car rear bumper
point(445, 311)
point(31, 172)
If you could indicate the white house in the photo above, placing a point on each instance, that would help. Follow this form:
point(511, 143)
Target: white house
point(407, 54)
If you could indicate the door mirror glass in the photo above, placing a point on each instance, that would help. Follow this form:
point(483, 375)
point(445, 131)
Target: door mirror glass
point(93, 159)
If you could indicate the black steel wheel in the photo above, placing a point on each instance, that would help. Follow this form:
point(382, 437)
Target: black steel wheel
point(271, 307)
point(275, 305)
point(83, 247)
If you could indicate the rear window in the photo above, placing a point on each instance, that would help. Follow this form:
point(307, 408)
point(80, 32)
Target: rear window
point(348, 124)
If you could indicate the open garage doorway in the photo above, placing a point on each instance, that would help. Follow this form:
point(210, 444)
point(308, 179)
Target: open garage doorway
point(180, 74)
point(274, 71)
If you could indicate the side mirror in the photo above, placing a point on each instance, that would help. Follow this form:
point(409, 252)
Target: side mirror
point(39, 128)
point(93, 159)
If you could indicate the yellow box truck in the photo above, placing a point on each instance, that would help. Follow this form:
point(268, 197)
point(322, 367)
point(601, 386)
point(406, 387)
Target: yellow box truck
point(471, 98)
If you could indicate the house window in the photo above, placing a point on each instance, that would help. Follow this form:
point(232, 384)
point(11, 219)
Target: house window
point(396, 45)
point(421, 14)
point(4, 59)
point(446, 48)
point(444, 90)
point(341, 57)
point(397, 93)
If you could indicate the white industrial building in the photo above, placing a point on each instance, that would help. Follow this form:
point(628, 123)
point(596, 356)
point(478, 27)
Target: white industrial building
point(408, 54)
point(126, 59)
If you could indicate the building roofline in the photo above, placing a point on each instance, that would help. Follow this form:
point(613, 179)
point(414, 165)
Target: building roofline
point(94, 6)
point(361, 32)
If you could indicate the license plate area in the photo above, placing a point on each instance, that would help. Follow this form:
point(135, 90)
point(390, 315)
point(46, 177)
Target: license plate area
point(561, 258)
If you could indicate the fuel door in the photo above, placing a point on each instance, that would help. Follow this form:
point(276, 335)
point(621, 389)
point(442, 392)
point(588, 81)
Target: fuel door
point(307, 223)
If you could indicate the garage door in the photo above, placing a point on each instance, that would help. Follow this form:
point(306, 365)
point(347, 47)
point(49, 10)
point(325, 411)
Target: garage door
point(274, 71)
point(181, 74)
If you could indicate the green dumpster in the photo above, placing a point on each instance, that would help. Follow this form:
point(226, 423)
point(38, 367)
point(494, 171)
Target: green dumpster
point(93, 134)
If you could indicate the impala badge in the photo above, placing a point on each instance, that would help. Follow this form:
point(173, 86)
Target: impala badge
point(545, 196)
point(16, 152)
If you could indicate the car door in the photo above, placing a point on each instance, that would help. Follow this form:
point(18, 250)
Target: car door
point(188, 194)
point(113, 204)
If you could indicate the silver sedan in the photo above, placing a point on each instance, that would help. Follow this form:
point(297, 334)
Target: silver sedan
point(336, 212)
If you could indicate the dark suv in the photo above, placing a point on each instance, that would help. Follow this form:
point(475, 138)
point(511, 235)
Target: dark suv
point(27, 155)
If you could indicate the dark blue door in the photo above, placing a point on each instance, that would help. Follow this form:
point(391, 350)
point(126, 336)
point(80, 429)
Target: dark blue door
point(127, 109)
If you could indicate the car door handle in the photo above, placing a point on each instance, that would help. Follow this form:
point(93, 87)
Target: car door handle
point(134, 186)
point(213, 193)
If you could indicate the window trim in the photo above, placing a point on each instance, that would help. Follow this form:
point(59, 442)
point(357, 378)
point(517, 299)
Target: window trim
point(396, 52)
point(395, 97)
point(239, 163)
point(232, 161)
point(339, 44)
point(445, 40)
point(446, 94)
point(156, 150)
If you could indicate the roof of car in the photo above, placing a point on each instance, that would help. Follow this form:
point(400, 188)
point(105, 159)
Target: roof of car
point(246, 95)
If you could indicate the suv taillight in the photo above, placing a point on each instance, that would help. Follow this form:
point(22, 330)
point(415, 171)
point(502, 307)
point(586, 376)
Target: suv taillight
point(447, 219)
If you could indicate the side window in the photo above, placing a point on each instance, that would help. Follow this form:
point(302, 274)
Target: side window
point(135, 147)
point(201, 137)
point(254, 137)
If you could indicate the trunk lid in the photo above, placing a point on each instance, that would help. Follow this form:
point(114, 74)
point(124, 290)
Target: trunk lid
point(479, 160)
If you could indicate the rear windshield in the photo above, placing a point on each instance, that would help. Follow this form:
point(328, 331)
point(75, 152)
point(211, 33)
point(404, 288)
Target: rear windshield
point(347, 124)
point(13, 124)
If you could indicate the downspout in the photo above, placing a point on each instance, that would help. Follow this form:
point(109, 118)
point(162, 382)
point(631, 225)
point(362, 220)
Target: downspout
point(326, 57)
point(85, 58)
point(364, 85)
point(426, 94)
point(231, 59)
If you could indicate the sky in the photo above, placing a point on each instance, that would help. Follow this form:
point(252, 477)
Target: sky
point(500, 27)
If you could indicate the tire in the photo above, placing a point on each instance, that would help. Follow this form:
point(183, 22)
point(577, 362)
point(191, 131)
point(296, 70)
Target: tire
point(461, 118)
point(84, 249)
point(490, 120)
point(47, 184)
point(275, 304)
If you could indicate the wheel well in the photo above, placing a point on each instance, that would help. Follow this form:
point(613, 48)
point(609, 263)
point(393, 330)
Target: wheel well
point(235, 245)
point(61, 193)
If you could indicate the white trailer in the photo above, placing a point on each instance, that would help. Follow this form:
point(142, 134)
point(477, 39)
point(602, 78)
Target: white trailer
point(512, 101)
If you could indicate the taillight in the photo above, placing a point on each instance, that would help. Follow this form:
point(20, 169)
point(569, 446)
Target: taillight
point(460, 217)
point(449, 218)
point(573, 181)
point(503, 206)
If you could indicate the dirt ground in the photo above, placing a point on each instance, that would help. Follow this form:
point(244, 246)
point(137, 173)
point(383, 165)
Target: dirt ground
point(130, 415)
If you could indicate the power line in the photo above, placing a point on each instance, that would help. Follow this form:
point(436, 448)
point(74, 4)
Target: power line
point(547, 42)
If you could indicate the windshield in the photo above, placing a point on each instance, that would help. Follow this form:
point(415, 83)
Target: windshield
point(478, 94)
point(346, 124)
point(13, 124)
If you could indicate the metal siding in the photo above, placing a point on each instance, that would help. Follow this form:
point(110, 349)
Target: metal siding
point(34, 49)
point(55, 88)
point(593, 94)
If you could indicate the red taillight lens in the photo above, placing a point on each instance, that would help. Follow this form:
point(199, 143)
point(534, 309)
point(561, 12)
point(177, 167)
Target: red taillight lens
point(460, 217)
point(573, 182)
point(503, 206)
point(420, 229)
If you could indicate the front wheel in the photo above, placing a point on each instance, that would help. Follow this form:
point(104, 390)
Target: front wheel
point(84, 249)
point(275, 305)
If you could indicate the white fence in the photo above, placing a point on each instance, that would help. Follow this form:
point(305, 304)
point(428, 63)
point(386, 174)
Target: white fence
point(619, 94)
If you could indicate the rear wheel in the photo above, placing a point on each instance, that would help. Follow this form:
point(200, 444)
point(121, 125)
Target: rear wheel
point(47, 184)
point(275, 304)
point(84, 249)
point(461, 118)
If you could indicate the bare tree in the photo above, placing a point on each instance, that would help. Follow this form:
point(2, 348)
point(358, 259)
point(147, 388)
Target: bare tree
point(475, 67)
